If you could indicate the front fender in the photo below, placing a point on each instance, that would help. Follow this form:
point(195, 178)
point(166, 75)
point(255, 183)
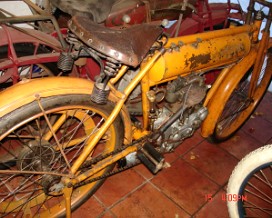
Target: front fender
point(220, 97)
point(28, 91)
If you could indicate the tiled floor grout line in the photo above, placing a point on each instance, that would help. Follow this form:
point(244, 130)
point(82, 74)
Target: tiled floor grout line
point(127, 195)
point(191, 148)
point(141, 174)
point(162, 192)
point(105, 208)
point(220, 187)
point(108, 208)
point(207, 202)
point(201, 172)
point(255, 138)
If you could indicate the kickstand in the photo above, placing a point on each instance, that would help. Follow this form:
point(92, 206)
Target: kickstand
point(67, 192)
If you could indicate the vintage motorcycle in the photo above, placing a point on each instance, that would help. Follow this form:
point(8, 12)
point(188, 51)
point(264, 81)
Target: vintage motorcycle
point(62, 137)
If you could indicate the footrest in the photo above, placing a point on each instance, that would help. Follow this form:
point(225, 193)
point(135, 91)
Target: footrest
point(151, 158)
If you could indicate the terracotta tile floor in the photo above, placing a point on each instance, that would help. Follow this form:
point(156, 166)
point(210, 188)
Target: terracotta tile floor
point(198, 169)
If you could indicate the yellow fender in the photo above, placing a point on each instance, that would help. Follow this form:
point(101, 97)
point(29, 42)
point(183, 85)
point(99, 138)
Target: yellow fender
point(28, 91)
point(218, 100)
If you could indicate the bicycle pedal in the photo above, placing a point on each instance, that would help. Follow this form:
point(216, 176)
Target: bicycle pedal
point(151, 158)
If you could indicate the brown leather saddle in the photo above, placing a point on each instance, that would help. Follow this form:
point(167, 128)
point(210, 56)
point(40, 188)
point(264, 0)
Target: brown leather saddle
point(129, 46)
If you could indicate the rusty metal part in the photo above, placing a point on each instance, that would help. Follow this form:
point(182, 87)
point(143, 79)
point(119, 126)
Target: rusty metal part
point(128, 46)
point(203, 51)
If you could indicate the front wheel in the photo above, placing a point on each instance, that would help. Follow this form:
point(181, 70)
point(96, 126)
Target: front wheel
point(250, 185)
point(31, 162)
point(240, 103)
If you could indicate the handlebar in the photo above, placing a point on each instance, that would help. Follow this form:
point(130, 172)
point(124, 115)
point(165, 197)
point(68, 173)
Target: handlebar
point(251, 10)
point(264, 3)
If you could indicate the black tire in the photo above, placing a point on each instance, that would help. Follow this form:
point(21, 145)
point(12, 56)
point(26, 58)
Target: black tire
point(27, 144)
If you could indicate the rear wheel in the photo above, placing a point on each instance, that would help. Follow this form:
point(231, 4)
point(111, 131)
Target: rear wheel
point(31, 162)
point(240, 104)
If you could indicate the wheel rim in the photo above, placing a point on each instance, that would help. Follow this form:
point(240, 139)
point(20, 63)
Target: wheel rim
point(34, 71)
point(27, 72)
point(25, 148)
point(257, 191)
point(240, 105)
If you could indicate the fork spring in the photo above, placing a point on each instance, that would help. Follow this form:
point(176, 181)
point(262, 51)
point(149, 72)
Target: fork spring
point(66, 61)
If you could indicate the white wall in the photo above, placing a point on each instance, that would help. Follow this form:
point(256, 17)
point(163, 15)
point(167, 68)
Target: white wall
point(15, 7)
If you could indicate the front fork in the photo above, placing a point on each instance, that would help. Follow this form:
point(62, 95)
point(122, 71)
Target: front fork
point(266, 41)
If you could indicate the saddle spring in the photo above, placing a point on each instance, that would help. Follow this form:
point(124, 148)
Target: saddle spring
point(66, 59)
point(108, 68)
point(101, 91)
point(111, 67)
point(65, 62)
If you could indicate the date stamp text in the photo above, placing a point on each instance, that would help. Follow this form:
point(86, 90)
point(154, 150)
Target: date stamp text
point(227, 197)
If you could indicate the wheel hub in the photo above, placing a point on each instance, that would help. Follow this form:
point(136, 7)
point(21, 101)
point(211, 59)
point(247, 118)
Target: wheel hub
point(36, 156)
point(39, 156)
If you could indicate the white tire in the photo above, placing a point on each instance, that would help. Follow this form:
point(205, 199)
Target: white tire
point(248, 167)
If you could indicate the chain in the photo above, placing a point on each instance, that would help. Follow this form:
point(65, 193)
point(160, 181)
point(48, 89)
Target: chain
point(95, 160)
point(120, 169)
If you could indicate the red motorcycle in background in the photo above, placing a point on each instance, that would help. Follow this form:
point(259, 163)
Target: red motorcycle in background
point(32, 52)
point(29, 51)
point(197, 15)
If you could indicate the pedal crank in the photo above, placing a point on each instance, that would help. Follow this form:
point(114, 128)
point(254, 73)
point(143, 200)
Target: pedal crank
point(151, 158)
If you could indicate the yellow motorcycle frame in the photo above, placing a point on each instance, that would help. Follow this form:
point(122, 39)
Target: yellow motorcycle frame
point(234, 50)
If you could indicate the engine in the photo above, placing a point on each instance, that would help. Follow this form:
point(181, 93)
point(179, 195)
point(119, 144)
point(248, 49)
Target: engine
point(176, 112)
point(182, 113)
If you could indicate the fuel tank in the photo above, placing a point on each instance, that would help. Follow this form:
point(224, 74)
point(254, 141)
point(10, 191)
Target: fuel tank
point(202, 51)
